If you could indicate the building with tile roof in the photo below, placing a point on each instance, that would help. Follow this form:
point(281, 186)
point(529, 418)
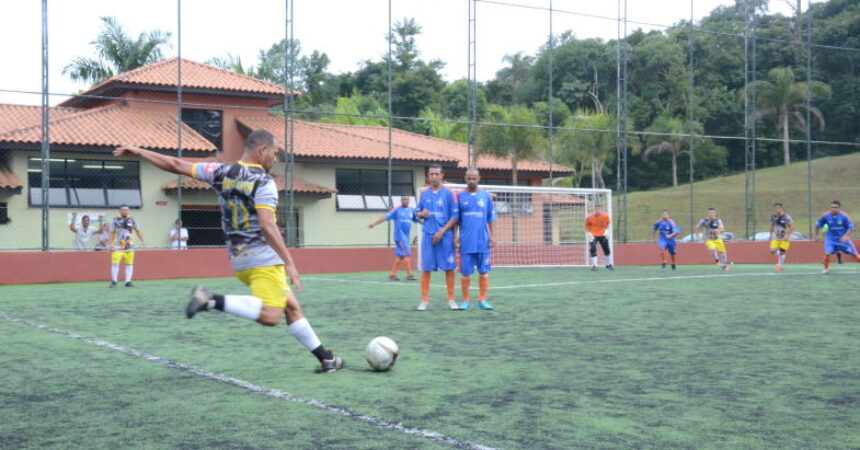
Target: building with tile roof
point(339, 181)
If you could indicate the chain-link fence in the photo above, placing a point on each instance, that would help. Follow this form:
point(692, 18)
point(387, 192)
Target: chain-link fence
point(734, 105)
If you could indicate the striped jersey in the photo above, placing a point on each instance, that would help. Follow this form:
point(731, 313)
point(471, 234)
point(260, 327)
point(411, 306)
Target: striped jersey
point(780, 225)
point(123, 227)
point(712, 226)
point(242, 189)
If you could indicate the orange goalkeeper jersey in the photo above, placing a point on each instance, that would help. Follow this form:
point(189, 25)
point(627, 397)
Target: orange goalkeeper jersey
point(597, 225)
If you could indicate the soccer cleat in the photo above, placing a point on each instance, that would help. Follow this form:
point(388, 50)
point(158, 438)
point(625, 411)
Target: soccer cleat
point(825, 271)
point(725, 268)
point(331, 365)
point(610, 267)
point(410, 278)
point(129, 284)
point(465, 305)
point(453, 306)
point(393, 278)
point(778, 268)
point(673, 267)
point(663, 266)
point(594, 268)
point(200, 297)
point(422, 306)
point(112, 284)
point(485, 305)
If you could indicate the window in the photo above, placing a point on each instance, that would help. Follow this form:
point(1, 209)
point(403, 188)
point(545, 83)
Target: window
point(207, 122)
point(512, 203)
point(4, 213)
point(76, 183)
point(367, 190)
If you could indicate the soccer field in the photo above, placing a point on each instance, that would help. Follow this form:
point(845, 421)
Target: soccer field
point(636, 358)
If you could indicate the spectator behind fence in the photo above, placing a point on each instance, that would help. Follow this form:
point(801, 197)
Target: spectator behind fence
point(178, 236)
point(83, 233)
point(104, 237)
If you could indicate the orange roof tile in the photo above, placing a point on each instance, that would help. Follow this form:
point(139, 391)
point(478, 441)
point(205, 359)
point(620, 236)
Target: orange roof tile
point(333, 141)
point(113, 126)
point(13, 117)
point(195, 75)
point(300, 186)
point(371, 142)
point(8, 179)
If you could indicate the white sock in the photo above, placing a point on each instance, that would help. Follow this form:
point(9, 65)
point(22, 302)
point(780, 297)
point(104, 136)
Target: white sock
point(128, 271)
point(246, 306)
point(593, 260)
point(304, 332)
point(723, 258)
point(609, 259)
point(715, 255)
point(781, 259)
point(114, 272)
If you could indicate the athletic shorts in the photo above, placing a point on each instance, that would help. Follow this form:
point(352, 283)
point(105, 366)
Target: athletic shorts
point(468, 262)
point(439, 256)
point(667, 244)
point(777, 244)
point(268, 283)
point(402, 249)
point(831, 247)
point(716, 244)
point(125, 257)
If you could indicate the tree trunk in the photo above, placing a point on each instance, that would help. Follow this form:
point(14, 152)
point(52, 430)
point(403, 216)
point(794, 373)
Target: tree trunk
point(785, 147)
point(674, 170)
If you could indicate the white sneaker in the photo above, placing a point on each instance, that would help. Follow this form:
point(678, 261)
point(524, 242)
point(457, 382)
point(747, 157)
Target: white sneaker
point(422, 306)
point(825, 271)
point(452, 305)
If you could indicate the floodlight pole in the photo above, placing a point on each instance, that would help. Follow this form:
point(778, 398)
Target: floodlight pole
point(808, 118)
point(179, 105)
point(691, 115)
point(472, 80)
point(46, 147)
point(390, 120)
point(621, 137)
point(290, 225)
point(749, 117)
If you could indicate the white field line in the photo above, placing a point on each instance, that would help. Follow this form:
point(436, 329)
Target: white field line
point(433, 436)
point(573, 283)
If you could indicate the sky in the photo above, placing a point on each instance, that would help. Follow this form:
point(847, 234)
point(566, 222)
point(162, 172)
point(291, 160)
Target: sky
point(349, 31)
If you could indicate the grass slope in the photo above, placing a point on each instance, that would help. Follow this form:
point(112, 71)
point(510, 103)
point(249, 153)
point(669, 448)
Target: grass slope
point(833, 178)
point(748, 359)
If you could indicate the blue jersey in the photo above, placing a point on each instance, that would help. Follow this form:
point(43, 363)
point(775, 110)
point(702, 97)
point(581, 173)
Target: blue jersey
point(666, 227)
point(403, 218)
point(442, 205)
point(477, 212)
point(837, 225)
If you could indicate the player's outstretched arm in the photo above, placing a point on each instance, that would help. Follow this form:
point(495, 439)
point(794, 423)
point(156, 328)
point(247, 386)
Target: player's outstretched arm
point(270, 231)
point(377, 222)
point(163, 162)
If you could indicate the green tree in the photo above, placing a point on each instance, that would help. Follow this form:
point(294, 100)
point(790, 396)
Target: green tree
point(357, 110)
point(587, 142)
point(117, 52)
point(440, 128)
point(671, 141)
point(232, 63)
point(785, 99)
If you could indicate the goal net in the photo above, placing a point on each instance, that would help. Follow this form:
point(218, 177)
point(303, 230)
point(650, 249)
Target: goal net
point(543, 226)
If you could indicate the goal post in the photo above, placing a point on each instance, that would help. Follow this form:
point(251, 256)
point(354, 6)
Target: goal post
point(543, 226)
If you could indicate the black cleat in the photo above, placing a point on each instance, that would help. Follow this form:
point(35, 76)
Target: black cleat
point(610, 267)
point(411, 278)
point(331, 365)
point(594, 268)
point(393, 278)
point(112, 284)
point(673, 267)
point(129, 284)
point(200, 297)
point(663, 266)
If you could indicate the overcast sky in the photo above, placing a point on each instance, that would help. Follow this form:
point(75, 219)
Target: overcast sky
point(349, 31)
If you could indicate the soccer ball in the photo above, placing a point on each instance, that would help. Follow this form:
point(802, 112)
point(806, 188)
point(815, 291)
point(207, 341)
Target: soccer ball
point(381, 353)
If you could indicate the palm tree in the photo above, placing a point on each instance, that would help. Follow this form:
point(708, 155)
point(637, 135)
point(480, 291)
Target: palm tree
point(588, 140)
point(671, 141)
point(440, 128)
point(781, 96)
point(117, 53)
point(232, 63)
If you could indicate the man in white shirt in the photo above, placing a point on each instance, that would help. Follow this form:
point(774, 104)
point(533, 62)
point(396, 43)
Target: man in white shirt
point(178, 236)
point(83, 233)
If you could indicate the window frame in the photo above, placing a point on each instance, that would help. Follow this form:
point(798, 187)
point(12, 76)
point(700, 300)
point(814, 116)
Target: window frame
point(194, 124)
point(105, 178)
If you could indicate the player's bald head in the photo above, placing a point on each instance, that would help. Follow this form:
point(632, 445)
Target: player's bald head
point(258, 138)
point(473, 171)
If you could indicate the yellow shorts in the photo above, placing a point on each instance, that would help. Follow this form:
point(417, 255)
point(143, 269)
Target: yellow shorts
point(268, 283)
point(716, 244)
point(126, 257)
point(779, 245)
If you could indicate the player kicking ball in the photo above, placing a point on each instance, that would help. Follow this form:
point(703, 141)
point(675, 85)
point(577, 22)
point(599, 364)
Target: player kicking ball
point(668, 230)
point(711, 226)
point(248, 197)
point(837, 238)
point(597, 223)
point(474, 237)
point(781, 226)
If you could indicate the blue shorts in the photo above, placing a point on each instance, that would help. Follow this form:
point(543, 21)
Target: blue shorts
point(468, 261)
point(668, 244)
point(439, 256)
point(402, 249)
point(831, 247)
